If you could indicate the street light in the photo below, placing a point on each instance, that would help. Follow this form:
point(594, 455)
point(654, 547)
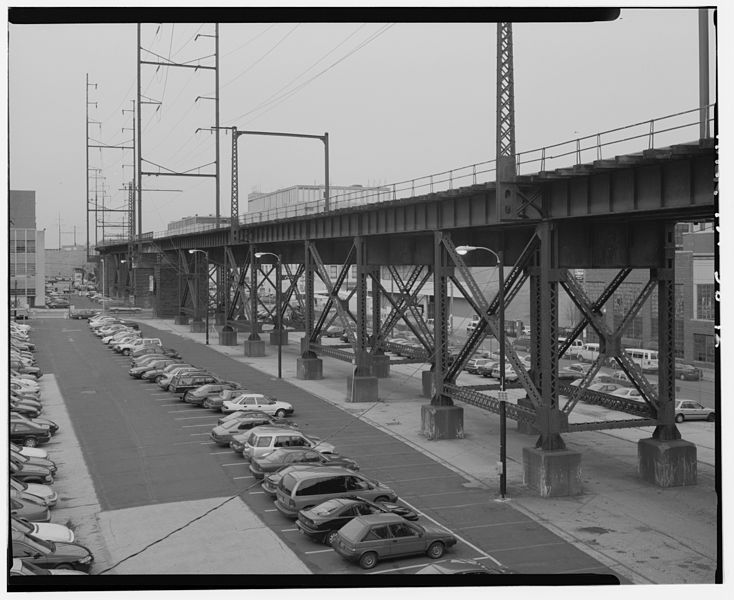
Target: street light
point(206, 304)
point(277, 307)
point(502, 395)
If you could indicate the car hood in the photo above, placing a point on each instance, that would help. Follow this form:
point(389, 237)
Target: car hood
point(69, 551)
point(220, 431)
point(434, 530)
point(53, 532)
point(41, 491)
point(31, 469)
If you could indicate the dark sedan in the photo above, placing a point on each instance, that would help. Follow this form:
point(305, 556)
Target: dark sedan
point(222, 434)
point(201, 393)
point(51, 555)
point(687, 371)
point(282, 457)
point(323, 521)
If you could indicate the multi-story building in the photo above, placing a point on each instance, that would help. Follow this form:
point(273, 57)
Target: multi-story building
point(26, 251)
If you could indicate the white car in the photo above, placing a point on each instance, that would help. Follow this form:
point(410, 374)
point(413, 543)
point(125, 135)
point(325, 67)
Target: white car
point(688, 410)
point(50, 532)
point(628, 392)
point(267, 405)
point(25, 384)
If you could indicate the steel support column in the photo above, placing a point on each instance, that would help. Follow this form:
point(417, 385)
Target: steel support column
point(442, 269)
point(254, 325)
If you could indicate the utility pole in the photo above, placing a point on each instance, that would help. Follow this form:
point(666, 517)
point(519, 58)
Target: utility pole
point(703, 70)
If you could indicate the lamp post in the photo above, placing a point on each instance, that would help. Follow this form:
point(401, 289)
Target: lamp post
point(206, 304)
point(502, 395)
point(277, 307)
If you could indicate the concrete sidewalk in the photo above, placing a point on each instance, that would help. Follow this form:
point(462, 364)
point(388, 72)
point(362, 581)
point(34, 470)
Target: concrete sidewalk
point(645, 533)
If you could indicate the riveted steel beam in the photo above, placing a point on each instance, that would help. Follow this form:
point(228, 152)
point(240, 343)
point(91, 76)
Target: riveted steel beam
point(254, 324)
point(441, 271)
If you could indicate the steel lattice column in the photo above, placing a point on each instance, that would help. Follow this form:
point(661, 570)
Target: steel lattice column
point(550, 420)
point(360, 350)
point(308, 313)
point(666, 429)
point(254, 325)
point(376, 307)
point(441, 273)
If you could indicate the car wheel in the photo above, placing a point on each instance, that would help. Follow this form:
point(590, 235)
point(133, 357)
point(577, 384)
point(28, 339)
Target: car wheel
point(68, 566)
point(382, 499)
point(126, 352)
point(280, 413)
point(330, 538)
point(679, 418)
point(159, 379)
point(185, 397)
point(711, 418)
point(368, 560)
point(435, 550)
point(30, 442)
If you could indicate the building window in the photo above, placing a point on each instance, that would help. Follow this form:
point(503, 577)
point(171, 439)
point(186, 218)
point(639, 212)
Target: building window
point(705, 301)
point(634, 327)
point(333, 271)
point(703, 347)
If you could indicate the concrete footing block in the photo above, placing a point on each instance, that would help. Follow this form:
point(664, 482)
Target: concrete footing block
point(304, 344)
point(279, 337)
point(442, 422)
point(667, 463)
point(181, 320)
point(380, 366)
point(427, 384)
point(198, 327)
point(552, 472)
point(309, 368)
point(254, 347)
point(362, 388)
point(227, 336)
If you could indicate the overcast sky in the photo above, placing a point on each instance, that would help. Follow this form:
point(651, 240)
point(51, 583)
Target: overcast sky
point(399, 100)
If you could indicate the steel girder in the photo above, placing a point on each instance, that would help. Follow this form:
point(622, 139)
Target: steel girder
point(238, 277)
point(254, 325)
point(418, 325)
point(408, 295)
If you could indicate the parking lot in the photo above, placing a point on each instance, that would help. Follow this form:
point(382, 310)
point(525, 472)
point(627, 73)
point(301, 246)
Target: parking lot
point(143, 446)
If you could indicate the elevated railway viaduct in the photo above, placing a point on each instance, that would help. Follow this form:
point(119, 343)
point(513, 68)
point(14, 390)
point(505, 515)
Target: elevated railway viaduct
point(617, 214)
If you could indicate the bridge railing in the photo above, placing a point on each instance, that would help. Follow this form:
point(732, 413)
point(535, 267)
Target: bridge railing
point(654, 133)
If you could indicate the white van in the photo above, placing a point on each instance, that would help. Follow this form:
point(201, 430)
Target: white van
point(588, 352)
point(647, 360)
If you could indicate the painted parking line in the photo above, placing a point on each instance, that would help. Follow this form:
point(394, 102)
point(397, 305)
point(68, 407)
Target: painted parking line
point(190, 418)
point(318, 551)
point(200, 425)
point(270, 510)
point(253, 493)
point(222, 452)
point(233, 464)
point(182, 443)
point(245, 477)
point(291, 529)
point(180, 411)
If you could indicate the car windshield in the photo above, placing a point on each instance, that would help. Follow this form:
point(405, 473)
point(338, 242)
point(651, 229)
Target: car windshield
point(42, 546)
point(22, 525)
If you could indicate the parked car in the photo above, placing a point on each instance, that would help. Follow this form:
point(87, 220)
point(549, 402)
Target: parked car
point(198, 395)
point(282, 457)
point(27, 433)
point(36, 421)
point(322, 522)
point(29, 510)
point(578, 368)
point(30, 473)
point(215, 402)
point(164, 381)
point(152, 362)
point(302, 489)
point(266, 438)
point(604, 388)
point(41, 462)
point(628, 392)
point(83, 313)
point(485, 369)
point(510, 374)
point(368, 539)
point(191, 381)
point(462, 566)
point(24, 450)
point(689, 410)
point(51, 555)
point(261, 402)
point(222, 434)
point(50, 532)
point(473, 365)
point(686, 371)
point(43, 494)
point(334, 331)
point(21, 568)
